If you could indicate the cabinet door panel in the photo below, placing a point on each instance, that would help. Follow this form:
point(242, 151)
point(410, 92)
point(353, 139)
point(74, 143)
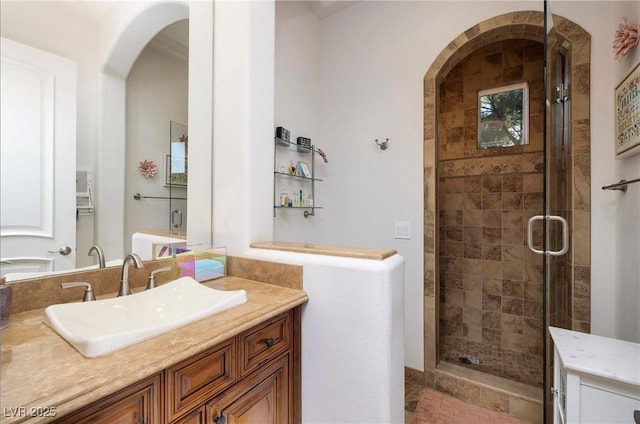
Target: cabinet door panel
point(139, 403)
point(261, 398)
point(191, 382)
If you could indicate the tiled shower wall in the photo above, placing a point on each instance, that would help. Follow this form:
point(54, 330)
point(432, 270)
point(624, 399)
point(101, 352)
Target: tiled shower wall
point(490, 283)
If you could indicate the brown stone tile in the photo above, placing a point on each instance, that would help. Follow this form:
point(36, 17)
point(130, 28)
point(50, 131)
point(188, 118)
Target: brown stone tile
point(513, 236)
point(454, 249)
point(491, 303)
point(451, 312)
point(453, 233)
point(491, 337)
point(532, 183)
point(491, 201)
point(512, 73)
point(472, 218)
point(453, 280)
point(512, 252)
point(453, 201)
point(511, 219)
point(492, 218)
point(473, 300)
point(491, 286)
point(451, 218)
point(472, 316)
point(472, 267)
point(473, 235)
point(473, 184)
point(492, 269)
point(492, 252)
point(512, 201)
point(532, 273)
point(512, 323)
point(453, 297)
point(532, 309)
point(512, 288)
point(512, 305)
point(472, 201)
point(472, 333)
point(472, 283)
point(491, 320)
point(473, 251)
point(491, 235)
point(492, 184)
point(454, 185)
point(512, 270)
point(532, 201)
point(512, 183)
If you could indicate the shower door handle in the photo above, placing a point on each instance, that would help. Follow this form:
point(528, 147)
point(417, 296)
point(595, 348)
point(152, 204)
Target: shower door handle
point(565, 235)
point(176, 218)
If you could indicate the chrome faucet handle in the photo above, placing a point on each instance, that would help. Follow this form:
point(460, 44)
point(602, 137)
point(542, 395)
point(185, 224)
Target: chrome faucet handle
point(151, 284)
point(100, 252)
point(88, 290)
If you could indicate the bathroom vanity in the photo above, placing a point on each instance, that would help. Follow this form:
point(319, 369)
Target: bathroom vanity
point(595, 380)
point(242, 364)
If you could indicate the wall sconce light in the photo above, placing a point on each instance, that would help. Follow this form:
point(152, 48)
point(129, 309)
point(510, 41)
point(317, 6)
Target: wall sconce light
point(383, 145)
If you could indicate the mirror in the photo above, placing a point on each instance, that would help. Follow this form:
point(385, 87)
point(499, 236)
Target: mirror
point(46, 26)
point(503, 116)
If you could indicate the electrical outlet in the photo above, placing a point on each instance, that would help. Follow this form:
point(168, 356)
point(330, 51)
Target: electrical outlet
point(403, 230)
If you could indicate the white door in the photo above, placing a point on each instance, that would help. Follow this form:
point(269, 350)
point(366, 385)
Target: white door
point(38, 160)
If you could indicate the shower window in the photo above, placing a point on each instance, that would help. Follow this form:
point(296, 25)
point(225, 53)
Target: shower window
point(503, 119)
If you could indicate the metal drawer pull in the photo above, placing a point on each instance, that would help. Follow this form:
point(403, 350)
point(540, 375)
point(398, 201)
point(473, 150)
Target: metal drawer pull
point(565, 235)
point(269, 342)
point(636, 416)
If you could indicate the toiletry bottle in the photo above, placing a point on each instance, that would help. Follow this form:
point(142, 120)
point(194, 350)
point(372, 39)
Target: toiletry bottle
point(6, 294)
point(300, 202)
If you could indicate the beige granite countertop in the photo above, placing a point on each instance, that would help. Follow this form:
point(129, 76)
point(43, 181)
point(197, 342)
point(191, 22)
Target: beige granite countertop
point(39, 369)
point(319, 249)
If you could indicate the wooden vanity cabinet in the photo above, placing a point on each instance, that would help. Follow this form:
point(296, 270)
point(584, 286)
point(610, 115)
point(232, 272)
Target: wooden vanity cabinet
point(250, 378)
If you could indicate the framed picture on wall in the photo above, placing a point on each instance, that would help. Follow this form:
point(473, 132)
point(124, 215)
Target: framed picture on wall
point(627, 107)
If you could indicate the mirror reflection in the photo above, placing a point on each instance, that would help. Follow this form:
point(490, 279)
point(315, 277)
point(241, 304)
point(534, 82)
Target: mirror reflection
point(156, 94)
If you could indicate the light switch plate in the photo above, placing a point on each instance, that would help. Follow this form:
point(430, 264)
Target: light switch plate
point(403, 230)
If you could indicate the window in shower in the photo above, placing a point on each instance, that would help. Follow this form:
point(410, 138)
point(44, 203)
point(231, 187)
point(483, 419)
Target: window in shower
point(503, 119)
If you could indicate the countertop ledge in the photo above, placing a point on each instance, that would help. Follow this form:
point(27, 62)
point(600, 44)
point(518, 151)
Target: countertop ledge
point(605, 357)
point(39, 369)
point(318, 249)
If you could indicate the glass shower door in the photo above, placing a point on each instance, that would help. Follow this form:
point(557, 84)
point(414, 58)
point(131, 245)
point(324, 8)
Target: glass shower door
point(177, 177)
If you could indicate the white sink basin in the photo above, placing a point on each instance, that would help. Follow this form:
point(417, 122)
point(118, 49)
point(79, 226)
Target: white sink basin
point(102, 326)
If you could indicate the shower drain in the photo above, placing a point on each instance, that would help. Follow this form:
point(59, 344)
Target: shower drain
point(468, 360)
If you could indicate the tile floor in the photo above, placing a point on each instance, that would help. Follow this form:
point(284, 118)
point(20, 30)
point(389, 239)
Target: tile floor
point(427, 406)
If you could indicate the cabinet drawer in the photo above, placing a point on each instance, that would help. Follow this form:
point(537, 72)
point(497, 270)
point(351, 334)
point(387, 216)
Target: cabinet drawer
point(264, 342)
point(193, 381)
point(138, 403)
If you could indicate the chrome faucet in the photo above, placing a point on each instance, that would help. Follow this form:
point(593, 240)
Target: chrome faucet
point(100, 252)
point(124, 277)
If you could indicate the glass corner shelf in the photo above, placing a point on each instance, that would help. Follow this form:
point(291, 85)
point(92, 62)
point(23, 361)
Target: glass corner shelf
point(297, 207)
point(281, 142)
point(284, 174)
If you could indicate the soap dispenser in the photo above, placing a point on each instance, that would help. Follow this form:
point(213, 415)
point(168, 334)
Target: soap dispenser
point(6, 294)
